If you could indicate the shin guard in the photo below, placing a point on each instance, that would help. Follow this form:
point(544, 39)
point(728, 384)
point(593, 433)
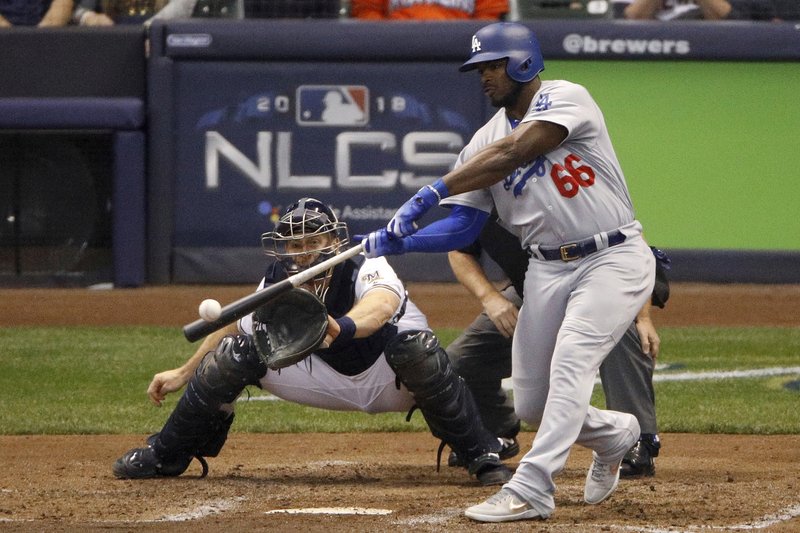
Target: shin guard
point(445, 401)
point(197, 426)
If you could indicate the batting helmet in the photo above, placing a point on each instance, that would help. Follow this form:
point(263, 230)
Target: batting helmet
point(507, 40)
point(307, 234)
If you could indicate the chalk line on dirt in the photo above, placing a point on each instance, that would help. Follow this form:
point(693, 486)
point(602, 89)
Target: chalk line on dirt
point(201, 511)
point(332, 511)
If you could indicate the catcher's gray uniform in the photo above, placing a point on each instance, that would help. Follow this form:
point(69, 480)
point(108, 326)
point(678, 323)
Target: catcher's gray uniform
point(368, 384)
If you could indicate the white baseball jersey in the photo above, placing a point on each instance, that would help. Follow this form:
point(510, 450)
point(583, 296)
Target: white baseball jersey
point(313, 382)
point(570, 193)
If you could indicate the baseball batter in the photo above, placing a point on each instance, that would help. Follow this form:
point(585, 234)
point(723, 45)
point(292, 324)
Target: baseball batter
point(546, 163)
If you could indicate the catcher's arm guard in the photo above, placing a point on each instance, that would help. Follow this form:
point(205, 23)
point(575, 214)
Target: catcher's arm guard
point(288, 328)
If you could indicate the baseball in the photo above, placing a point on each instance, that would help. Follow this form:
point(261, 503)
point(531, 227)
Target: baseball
point(210, 310)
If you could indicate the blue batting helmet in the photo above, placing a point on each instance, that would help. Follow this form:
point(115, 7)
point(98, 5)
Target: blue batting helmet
point(507, 40)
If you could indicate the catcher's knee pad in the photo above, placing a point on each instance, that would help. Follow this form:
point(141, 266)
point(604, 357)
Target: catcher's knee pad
point(445, 401)
point(197, 426)
point(224, 373)
point(419, 362)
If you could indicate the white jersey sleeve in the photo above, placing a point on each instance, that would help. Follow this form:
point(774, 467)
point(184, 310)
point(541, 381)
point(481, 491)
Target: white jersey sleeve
point(569, 105)
point(376, 274)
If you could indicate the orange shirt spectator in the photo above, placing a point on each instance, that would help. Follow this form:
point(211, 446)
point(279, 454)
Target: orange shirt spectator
point(428, 9)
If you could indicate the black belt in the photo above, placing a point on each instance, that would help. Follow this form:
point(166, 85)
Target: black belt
point(576, 250)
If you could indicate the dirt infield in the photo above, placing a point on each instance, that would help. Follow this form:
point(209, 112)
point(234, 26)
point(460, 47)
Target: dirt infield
point(447, 305)
point(64, 483)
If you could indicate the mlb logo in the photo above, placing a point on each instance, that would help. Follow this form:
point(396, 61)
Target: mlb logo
point(332, 105)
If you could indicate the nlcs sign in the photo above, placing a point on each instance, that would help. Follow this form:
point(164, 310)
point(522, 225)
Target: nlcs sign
point(422, 151)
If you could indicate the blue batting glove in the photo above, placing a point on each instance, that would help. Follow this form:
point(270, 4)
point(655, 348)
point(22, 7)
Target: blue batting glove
point(380, 243)
point(404, 221)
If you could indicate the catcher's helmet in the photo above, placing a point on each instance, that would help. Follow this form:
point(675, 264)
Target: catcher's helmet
point(305, 235)
point(507, 40)
point(305, 217)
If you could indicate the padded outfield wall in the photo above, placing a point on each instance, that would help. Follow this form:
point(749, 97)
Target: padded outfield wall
point(704, 117)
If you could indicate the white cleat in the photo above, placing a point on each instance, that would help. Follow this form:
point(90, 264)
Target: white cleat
point(504, 506)
point(603, 478)
point(601, 481)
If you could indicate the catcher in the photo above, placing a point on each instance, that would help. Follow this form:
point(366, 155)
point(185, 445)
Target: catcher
point(356, 343)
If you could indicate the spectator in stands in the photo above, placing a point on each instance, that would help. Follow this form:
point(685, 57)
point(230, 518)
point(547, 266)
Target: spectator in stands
point(114, 12)
point(182, 9)
point(41, 13)
point(694, 9)
point(174, 9)
point(428, 9)
point(90, 13)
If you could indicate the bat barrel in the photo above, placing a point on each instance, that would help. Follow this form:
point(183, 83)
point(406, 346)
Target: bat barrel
point(235, 310)
point(244, 306)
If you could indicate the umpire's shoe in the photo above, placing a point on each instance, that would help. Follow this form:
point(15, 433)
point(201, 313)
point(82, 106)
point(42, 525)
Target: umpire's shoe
point(144, 463)
point(638, 462)
point(509, 447)
point(488, 469)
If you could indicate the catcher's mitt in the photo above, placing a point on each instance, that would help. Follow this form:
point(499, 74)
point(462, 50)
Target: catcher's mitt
point(289, 327)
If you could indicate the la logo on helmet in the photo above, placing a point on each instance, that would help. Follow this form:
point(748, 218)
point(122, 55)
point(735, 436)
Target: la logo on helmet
point(476, 44)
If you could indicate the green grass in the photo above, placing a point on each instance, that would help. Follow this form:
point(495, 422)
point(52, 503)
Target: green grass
point(60, 380)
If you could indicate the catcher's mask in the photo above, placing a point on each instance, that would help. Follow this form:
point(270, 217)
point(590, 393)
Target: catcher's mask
point(307, 234)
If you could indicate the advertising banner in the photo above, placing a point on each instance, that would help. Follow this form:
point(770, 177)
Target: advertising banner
point(355, 136)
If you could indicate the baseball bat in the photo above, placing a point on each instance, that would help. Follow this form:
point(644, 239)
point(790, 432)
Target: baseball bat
point(246, 305)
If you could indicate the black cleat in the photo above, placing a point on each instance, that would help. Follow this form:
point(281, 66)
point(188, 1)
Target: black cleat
point(638, 462)
point(139, 463)
point(509, 448)
point(144, 463)
point(488, 469)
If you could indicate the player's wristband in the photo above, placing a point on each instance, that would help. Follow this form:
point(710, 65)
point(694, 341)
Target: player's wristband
point(347, 330)
point(78, 14)
point(439, 189)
